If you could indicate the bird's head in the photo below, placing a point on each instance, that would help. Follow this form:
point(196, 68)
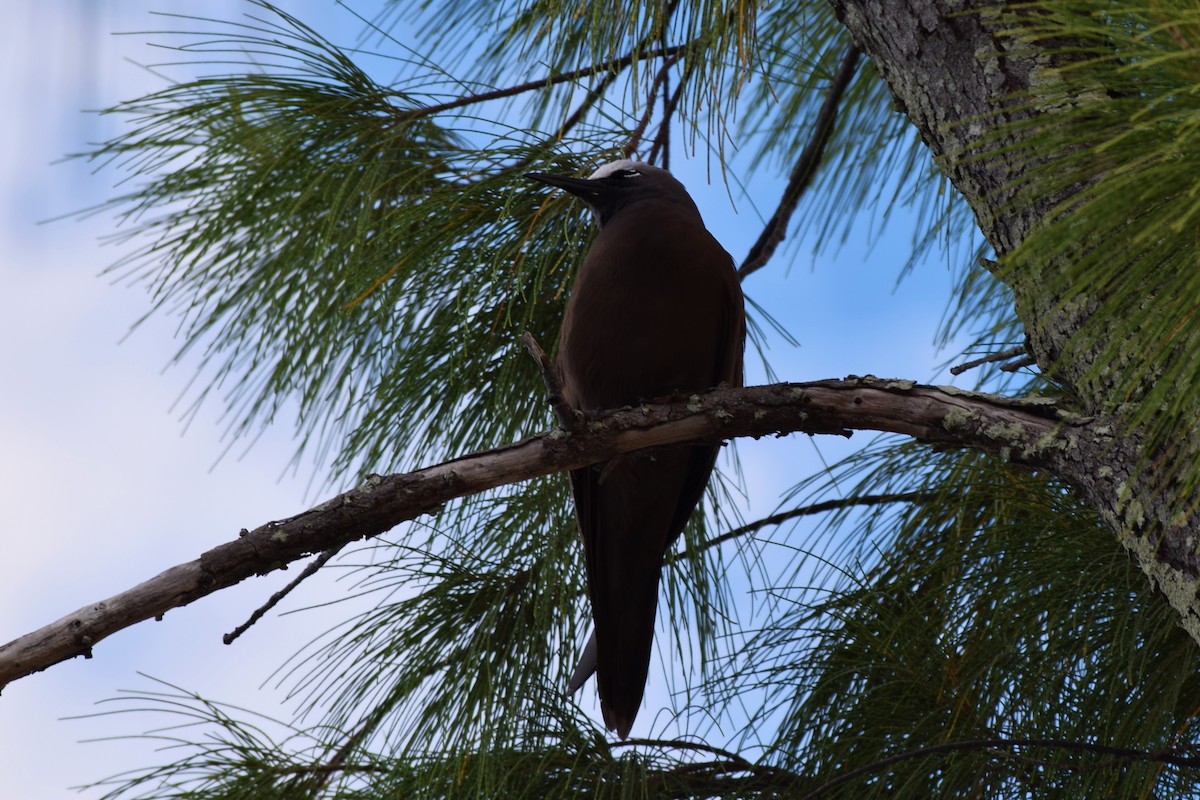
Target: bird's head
point(619, 185)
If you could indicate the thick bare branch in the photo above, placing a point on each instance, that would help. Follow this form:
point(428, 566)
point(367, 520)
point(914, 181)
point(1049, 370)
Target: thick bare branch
point(1031, 431)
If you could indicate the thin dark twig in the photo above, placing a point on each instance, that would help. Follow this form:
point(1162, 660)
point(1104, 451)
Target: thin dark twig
point(1000, 356)
point(592, 96)
point(814, 508)
point(668, 54)
point(327, 769)
point(805, 168)
point(668, 106)
point(666, 98)
point(1013, 366)
point(660, 80)
point(318, 778)
point(663, 136)
point(552, 80)
point(1165, 756)
point(567, 416)
point(274, 599)
point(662, 140)
point(684, 744)
point(666, 141)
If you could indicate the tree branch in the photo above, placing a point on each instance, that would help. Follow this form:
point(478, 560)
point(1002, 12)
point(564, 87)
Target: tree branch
point(1030, 431)
point(804, 511)
point(1003, 355)
point(568, 418)
point(276, 598)
point(662, 139)
point(805, 168)
point(639, 130)
point(551, 80)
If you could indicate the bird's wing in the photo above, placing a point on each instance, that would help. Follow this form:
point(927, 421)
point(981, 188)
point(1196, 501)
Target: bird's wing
point(731, 331)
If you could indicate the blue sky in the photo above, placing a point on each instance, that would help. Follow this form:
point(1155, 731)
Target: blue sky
point(103, 488)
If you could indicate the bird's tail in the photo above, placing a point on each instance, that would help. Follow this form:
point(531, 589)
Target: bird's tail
point(636, 503)
point(586, 666)
point(624, 645)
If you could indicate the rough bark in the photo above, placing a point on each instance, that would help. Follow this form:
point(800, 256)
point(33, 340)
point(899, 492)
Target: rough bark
point(1031, 431)
point(955, 74)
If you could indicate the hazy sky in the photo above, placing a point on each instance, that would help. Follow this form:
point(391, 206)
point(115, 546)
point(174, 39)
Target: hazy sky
point(101, 487)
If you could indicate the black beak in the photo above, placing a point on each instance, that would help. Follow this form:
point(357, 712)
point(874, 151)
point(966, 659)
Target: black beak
point(580, 187)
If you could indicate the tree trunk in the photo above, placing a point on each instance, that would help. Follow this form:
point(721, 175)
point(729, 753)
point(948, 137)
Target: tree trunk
point(955, 74)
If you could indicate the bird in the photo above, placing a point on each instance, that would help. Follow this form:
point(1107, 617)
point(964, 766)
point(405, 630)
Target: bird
point(655, 312)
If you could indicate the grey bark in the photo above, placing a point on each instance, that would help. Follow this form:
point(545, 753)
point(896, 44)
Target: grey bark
point(954, 73)
point(1030, 431)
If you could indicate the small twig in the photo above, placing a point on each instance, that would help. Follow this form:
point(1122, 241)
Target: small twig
point(814, 508)
point(663, 137)
point(552, 80)
point(1024, 361)
point(568, 417)
point(592, 96)
point(665, 163)
point(660, 80)
point(274, 599)
point(1003, 355)
point(684, 744)
point(570, 122)
point(321, 775)
point(805, 169)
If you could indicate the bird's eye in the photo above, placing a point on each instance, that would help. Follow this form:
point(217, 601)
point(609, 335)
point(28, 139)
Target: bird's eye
point(629, 173)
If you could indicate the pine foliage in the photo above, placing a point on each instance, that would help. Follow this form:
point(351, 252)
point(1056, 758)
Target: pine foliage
point(362, 249)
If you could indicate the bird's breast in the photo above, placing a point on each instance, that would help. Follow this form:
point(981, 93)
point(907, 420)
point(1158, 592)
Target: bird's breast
point(648, 315)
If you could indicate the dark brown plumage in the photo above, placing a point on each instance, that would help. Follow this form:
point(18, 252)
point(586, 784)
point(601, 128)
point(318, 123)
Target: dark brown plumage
point(655, 311)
